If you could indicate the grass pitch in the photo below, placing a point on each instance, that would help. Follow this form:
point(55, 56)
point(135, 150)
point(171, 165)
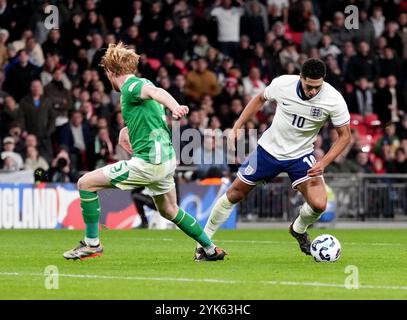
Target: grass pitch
point(147, 264)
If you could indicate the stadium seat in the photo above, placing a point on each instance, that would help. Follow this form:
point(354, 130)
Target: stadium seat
point(372, 120)
point(154, 63)
point(365, 142)
point(295, 37)
point(356, 119)
point(181, 65)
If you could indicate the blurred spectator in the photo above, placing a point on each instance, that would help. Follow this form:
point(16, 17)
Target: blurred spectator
point(393, 38)
point(35, 53)
point(183, 39)
point(382, 101)
point(16, 132)
point(15, 161)
point(378, 21)
point(95, 45)
point(311, 38)
point(22, 42)
point(254, 21)
point(339, 33)
point(402, 128)
point(361, 101)
point(39, 117)
point(365, 32)
point(76, 136)
point(399, 164)
point(228, 20)
point(229, 92)
point(362, 160)
point(252, 84)
point(348, 51)
point(328, 48)
point(54, 44)
point(169, 64)
point(137, 12)
point(389, 138)
point(397, 104)
point(59, 96)
point(201, 81)
point(11, 113)
point(289, 54)
point(4, 35)
point(389, 64)
point(334, 74)
point(280, 8)
point(69, 8)
point(34, 161)
point(202, 46)
point(177, 90)
point(61, 170)
point(104, 150)
point(209, 155)
point(363, 64)
point(20, 76)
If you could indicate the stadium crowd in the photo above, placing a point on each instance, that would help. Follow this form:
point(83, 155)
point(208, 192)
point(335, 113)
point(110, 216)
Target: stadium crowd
point(58, 110)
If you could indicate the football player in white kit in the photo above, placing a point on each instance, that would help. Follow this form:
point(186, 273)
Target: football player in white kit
point(304, 104)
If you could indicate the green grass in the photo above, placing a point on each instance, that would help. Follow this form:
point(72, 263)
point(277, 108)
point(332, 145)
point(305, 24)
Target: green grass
point(262, 264)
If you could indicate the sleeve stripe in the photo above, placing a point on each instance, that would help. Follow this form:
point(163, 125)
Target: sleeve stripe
point(343, 124)
point(131, 87)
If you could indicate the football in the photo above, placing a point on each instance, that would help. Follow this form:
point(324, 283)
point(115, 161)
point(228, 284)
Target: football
point(326, 248)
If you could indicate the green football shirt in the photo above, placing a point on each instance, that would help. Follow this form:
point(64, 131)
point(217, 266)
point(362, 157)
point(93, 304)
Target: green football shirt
point(149, 134)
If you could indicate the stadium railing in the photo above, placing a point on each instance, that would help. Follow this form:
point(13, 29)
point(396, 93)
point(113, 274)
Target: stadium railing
point(352, 197)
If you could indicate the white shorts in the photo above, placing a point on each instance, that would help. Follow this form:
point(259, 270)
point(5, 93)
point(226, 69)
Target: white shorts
point(133, 173)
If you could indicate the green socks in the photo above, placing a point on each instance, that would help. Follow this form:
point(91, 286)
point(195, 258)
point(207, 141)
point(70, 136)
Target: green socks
point(191, 227)
point(91, 211)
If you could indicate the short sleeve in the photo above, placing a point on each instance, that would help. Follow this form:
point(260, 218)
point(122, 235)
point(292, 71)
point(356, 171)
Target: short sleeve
point(340, 115)
point(215, 12)
point(270, 91)
point(134, 89)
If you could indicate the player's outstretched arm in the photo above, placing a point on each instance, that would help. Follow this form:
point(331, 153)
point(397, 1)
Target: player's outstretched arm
point(163, 97)
point(249, 111)
point(344, 137)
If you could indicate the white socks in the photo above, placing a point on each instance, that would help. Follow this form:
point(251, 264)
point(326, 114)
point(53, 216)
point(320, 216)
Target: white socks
point(93, 242)
point(306, 217)
point(220, 213)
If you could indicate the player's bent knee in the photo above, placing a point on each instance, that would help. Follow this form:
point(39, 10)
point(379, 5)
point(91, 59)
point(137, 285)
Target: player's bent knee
point(318, 206)
point(83, 183)
point(169, 212)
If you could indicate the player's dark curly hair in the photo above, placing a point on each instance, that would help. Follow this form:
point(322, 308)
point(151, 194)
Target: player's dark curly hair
point(313, 69)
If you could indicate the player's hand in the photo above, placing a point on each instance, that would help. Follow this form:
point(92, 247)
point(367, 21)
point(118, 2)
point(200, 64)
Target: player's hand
point(124, 140)
point(179, 112)
point(316, 170)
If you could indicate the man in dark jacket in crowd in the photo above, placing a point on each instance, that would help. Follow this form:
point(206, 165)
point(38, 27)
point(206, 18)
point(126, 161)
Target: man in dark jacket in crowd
point(20, 76)
point(39, 117)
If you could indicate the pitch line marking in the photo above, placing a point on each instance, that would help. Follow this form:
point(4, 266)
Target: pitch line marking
point(379, 244)
point(220, 281)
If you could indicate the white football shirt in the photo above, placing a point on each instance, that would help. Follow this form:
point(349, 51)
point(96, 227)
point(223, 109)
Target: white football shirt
point(297, 122)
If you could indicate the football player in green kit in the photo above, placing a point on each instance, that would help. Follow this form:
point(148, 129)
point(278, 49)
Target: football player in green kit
point(148, 138)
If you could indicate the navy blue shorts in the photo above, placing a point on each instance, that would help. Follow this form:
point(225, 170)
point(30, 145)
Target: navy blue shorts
point(261, 166)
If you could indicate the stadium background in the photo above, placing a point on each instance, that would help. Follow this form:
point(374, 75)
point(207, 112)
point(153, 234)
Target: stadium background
point(72, 127)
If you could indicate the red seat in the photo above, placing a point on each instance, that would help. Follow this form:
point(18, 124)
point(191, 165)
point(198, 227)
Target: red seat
point(372, 120)
point(365, 142)
point(360, 128)
point(181, 65)
point(356, 119)
point(154, 63)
